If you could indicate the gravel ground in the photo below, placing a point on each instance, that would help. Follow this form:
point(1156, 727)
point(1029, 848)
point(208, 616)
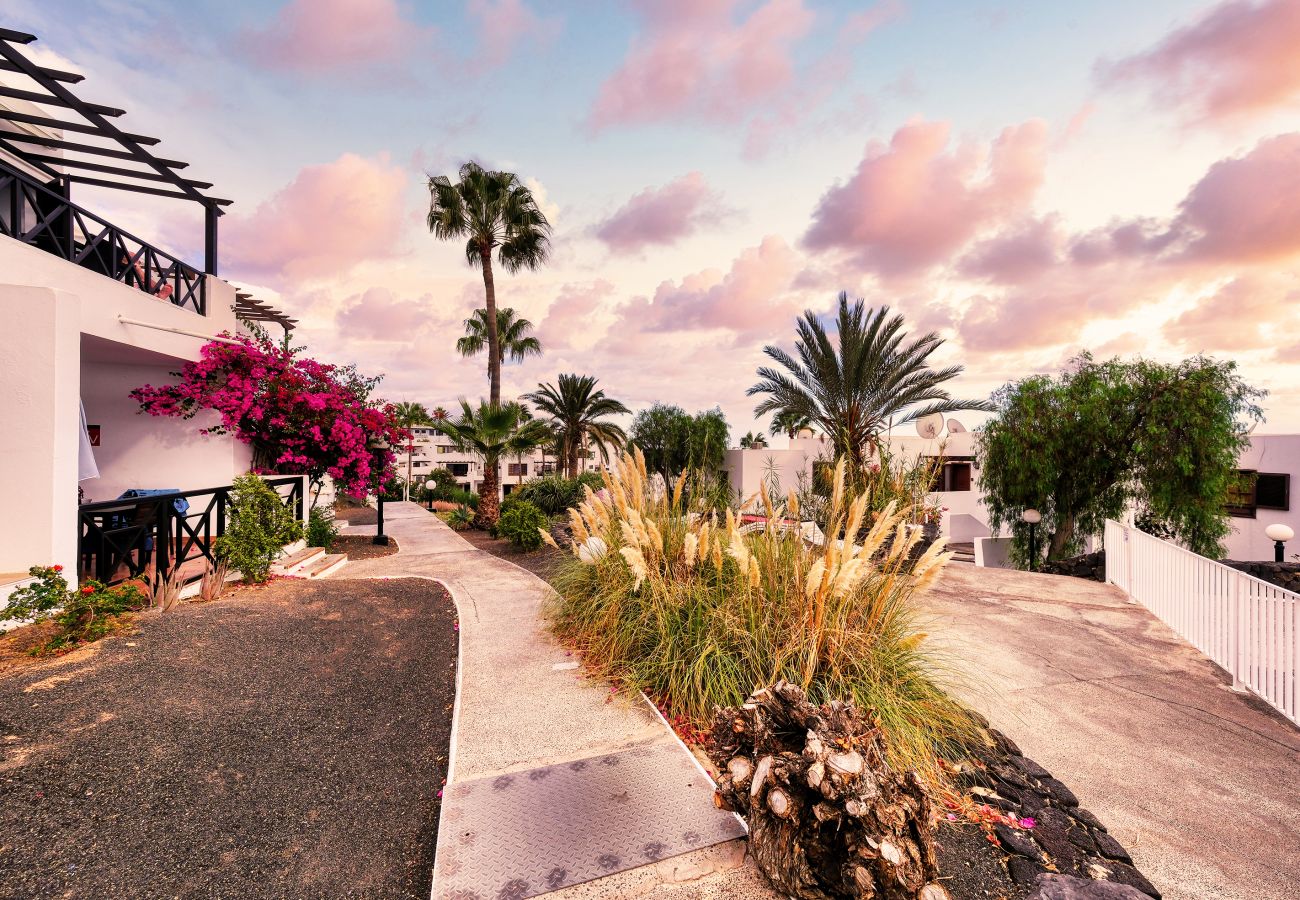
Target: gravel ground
point(287, 741)
point(539, 562)
point(362, 546)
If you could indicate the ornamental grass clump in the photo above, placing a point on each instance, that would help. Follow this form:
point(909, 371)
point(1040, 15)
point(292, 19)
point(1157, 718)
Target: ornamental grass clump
point(698, 612)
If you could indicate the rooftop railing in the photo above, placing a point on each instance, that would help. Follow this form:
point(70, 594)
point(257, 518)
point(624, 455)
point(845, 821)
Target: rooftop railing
point(41, 216)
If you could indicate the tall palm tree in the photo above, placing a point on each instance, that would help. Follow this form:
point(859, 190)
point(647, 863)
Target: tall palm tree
point(752, 441)
point(492, 431)
point(789, 423)
point(852, 386)
point(513, 339)
point(494, 211)
point(409, 414)
point(577, 408)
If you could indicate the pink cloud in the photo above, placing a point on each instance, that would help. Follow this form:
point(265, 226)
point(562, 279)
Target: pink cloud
point(329, 218)
point(501, 26)
point(752, 297)
point(1239, 59)
point(1241, 315)
point(314, 36)
point(695, 58)
point(378, 314)
point(661, 216)
point(570, 315)
point(1019, 252)
point(914, 203)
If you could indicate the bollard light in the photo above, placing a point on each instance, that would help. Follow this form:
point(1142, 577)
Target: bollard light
point(428, 492)
point(378, 446)
point(1032, 517)
point(1279, 534)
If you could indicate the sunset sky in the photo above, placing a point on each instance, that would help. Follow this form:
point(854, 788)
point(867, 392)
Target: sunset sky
point(1030, 179)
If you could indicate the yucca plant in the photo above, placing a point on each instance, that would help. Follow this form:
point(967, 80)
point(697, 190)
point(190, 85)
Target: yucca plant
point(698, 612)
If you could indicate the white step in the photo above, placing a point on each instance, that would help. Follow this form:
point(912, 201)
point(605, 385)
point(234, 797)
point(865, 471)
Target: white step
point(296, 563)
point(326, 565)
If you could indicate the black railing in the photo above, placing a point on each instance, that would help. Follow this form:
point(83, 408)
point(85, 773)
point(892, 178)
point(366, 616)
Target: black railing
point(158, 533)
point(40, 215)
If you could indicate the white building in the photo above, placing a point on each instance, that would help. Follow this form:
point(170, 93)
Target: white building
point(1269, 466)
point(91, 312)
point(431, 450)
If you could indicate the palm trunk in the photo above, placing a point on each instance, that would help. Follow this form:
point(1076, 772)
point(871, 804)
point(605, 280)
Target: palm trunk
point(489, 505)
point(494, 339)
point(571, 462)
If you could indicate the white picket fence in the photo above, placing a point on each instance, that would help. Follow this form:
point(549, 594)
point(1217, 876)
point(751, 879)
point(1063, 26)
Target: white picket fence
point(1249, 627)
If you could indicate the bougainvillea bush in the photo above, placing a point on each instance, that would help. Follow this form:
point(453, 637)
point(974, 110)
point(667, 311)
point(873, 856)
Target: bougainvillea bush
point(299, 415)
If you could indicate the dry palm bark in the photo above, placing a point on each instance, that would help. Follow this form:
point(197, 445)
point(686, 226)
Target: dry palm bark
point(827, 816)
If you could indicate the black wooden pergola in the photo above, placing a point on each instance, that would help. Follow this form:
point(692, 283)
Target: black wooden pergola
point(253, 310)
point(107, 157)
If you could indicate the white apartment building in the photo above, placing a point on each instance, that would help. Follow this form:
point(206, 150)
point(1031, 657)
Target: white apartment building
point(92, 312)
point(1270, 464)
point(429, 450)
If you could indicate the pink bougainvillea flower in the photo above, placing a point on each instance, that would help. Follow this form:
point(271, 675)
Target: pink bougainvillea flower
point(1027, 822)
point(952, 817)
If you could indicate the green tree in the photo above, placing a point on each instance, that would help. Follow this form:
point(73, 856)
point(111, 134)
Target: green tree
point(673, 441)
point(853, 386)
point(1104, 437)
point(513, 339)
point(789, 423)
point(752, 441)
point(493, 211)
point(493, 431)
point(579, 413)
point(408, 415)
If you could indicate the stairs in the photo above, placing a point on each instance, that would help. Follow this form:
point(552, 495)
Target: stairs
point(963, 553)
point(310, 562)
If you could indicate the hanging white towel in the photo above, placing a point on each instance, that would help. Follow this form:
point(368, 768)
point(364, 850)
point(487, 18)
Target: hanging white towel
point(86, 467)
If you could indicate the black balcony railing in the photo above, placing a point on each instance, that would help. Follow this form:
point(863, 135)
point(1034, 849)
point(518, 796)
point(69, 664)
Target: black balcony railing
point(158, 533)
point(37, 214)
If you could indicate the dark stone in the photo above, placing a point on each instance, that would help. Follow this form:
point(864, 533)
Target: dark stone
point(1109, 847)
point(1016, 842)
point(1088, 819)
point(1023, 871)
point(1091, 566)
point(1032, 803)
point(1009, 775)
point(1006, 804)
point(1008, 790)
point(1059, 792)
point(1067, 887)
point(1005, 744)
point(1029, 767)
point(1081, 839)
point(1126, 874)
point(1052, 832)
point(1284, 575)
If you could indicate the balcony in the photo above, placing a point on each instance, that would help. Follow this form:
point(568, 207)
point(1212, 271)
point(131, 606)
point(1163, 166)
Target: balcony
point(35, 214)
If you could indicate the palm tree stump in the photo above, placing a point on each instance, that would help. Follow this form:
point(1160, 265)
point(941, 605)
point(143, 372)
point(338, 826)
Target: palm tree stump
point(827, 816)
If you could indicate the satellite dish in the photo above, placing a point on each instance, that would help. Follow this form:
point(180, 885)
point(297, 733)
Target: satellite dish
point(955, 427)
point(929, 426)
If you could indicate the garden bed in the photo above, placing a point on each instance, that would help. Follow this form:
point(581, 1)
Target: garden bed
point(288, 740)
point(362, 546)
point(539, 562)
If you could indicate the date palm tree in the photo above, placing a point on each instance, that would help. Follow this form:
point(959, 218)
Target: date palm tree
point(752, 441)
point(493, 431)
point(494, 211)
point(578, 410)
point(789, 424)
point(853, 385)
point(407, 415)
point(513, 339)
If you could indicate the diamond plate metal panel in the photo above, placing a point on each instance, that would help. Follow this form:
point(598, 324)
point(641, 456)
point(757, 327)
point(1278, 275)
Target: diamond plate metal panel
point(527, 833)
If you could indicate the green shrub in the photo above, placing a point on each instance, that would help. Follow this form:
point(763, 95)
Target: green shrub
point(555, 494)
point(83, 615)
point(259, 526)
point(322, 529)
point(463, 497)
point(460, 518)
point(520, 523)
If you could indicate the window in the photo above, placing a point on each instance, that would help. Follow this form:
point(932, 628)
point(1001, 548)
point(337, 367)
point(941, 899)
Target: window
point(546, 468)
point(953, 475)
point(458, 469)
point(443, 448)
point(1251, 491)
point(517, 468)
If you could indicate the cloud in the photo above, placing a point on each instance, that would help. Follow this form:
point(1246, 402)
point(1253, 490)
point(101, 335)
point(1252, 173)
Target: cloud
point(661, 216)
point(502, 24)
point(317, 36)
point(570, 319)
point(378, 314)
point(1020, 251)
point(754, 297)
point(1238, 60)
point(915, 203)
point(329, 218)
point(1246, 313)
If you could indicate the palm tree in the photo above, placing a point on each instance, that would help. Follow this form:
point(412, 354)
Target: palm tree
point(513, 339)
point(495, 212)
point(577, 409)
point(492, 431)
point(407, 415)
point(853, 387)
point(789, 424)
point(752, 441)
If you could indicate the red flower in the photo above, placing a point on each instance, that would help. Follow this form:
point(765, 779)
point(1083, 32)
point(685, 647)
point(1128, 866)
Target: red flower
point(58, 568)
point(88, 590)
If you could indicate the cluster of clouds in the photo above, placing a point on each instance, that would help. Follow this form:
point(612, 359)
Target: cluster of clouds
point(949, 227)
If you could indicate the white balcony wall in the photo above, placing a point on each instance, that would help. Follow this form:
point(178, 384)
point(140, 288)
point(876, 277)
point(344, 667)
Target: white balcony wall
point(1274, 453)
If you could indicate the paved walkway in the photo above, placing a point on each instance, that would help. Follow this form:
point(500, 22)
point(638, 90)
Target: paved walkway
point(524, 713)
point(1202, 785)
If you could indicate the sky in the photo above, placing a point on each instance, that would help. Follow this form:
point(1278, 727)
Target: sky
point(1029, 180)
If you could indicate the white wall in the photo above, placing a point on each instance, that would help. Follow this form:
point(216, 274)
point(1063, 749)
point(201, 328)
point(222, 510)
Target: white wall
point(142, 451)
point(39, 426)
point(1268, 453)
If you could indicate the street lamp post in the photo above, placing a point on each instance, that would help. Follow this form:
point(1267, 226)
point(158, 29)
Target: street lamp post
point(1032, 517)
point(1279, 534)
point(428, 492)
point(377, 445)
